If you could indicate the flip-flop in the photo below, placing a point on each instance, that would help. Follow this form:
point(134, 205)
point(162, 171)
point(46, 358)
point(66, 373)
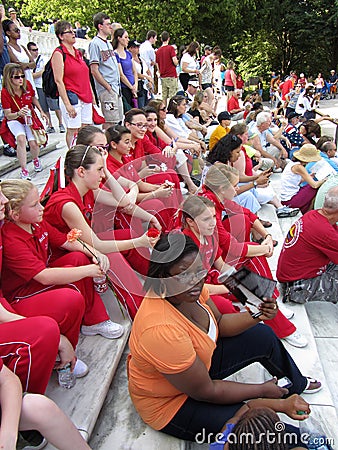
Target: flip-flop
point(317, 386)
point(266, 223)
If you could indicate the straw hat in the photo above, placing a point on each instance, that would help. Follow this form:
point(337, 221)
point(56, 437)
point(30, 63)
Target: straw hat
point(307, 153)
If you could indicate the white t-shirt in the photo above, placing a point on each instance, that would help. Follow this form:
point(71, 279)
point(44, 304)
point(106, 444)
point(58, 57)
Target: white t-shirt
point(192, 63)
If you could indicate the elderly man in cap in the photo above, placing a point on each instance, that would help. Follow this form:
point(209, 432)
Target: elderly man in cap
point(12, 16)
point(224, 119)
point(308, 263)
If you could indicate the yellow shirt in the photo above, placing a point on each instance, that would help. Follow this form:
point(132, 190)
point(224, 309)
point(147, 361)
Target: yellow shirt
point(217, 134)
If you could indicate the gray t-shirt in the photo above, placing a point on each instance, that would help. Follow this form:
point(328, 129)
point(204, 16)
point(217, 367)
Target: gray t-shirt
point(101, 52)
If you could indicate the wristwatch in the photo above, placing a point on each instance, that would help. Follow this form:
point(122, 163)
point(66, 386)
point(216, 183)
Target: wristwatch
point(255, 184)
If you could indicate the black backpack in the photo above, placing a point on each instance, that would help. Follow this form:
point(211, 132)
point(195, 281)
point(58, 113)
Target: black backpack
point(48, 83)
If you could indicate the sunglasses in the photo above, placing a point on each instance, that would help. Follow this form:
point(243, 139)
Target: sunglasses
point(68, 32)
point(163, 109)
point(34, 49)
point(16, 30)
point(17, 77)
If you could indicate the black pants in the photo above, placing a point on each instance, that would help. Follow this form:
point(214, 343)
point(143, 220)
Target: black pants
point(258, 344)
point(184, 79)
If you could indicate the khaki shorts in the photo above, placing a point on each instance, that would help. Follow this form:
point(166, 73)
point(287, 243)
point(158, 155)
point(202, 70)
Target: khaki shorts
point(111, 106)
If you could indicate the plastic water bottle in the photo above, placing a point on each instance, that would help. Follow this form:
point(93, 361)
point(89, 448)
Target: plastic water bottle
point(100, 284)
point(28, 117)
point(195, 166)
point(66, 378)
point(313, 435)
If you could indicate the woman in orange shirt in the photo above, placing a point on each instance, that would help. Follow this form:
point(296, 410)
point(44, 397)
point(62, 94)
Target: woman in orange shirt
point(181, 349)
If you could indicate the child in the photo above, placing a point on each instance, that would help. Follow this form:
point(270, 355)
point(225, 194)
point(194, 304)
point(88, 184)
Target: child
point(36, 286)
point(72, 207)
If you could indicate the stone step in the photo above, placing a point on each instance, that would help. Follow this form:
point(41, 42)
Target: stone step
point(84, 401)
point(7, 163)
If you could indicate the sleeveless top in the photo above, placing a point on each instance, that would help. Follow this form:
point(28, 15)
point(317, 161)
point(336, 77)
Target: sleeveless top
point(290, 182)
point(23, 58)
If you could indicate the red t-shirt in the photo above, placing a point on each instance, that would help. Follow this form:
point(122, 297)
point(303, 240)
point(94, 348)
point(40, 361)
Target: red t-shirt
point(125, 169)
point(17, 103)
point(26, 254)
point(76, 75)
point(165, 63)
point(233, 104)
point(209, 251)
point(145, 147)
point(226, 241)
point(311, 243)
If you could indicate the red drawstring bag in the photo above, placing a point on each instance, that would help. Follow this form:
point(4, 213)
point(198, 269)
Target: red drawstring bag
point(6, 134)
point(97, 118)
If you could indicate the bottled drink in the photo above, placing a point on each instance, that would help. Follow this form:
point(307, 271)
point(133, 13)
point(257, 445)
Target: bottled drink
point(28, 117)
point(100, 284)
point(66, 378)
point(195, 166)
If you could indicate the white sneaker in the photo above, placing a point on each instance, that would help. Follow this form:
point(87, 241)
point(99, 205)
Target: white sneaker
point(81, 369)
point(296, 339)
point(107, 329)
point(288, 313)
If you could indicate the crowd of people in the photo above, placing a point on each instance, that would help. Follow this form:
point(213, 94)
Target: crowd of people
point(162, 199)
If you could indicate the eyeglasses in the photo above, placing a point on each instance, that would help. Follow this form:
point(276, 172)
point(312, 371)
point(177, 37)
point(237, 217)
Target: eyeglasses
point(68, 32)
point(188, 277)
point(141, 126)
point(15, 30)
point(84, 155)
point(17, 77)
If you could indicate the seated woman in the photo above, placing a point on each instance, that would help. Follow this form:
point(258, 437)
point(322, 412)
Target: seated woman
point(29, 290)
point(234, 224)
point(200, 110)
point(199, 222)
point(169, 147)
point(119, 163)
point(176, 108)
point(181, 349)
point(18, 100)
point(144, 153)
point(292, 194)
point(33, 412)
point(72, 207)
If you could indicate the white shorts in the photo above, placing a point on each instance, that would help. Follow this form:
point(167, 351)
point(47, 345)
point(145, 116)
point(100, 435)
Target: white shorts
point(84, 114)
point(19, 129)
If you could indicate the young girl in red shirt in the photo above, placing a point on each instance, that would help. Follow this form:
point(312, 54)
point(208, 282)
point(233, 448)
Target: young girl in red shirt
point(35, 285)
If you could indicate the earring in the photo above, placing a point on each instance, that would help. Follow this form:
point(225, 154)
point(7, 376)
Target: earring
point(163, 289)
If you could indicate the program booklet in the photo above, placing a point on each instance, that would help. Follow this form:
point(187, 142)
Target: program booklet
point(249, 288)
point(322, 169)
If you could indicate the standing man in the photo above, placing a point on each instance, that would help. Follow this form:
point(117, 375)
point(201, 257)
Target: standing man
point(105, 70)
point(147, 51)
point(167, 61)
point(37, 76)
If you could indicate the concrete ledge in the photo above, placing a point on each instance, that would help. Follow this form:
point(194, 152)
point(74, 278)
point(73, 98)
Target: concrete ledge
point(7, 163)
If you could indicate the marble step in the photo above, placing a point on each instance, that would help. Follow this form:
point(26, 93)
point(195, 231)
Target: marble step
point(7, 163)
point(84, 401)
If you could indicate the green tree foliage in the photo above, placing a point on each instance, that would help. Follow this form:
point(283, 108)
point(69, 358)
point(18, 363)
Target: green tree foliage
point(260, 35)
